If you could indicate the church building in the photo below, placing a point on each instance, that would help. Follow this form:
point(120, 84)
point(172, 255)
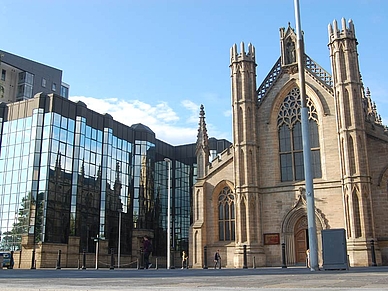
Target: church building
point(251, 199)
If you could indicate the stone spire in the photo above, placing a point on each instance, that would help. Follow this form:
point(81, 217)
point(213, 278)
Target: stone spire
point(370, 109)
point(202, 137)
point(202, 150)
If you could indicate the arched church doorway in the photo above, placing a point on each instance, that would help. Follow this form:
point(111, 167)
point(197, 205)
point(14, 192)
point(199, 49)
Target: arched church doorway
point(295, 233)
point(301, 240)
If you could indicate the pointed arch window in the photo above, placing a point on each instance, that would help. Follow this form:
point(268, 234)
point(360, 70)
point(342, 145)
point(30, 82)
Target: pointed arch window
point(226, 215)
point(290, 138)
point(352, 158)
point(356, 214)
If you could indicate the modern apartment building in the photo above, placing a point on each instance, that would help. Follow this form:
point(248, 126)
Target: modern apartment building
point(71, 177)
point(22, 78)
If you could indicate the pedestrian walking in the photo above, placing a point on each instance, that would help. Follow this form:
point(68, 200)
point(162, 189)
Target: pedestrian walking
point(185, 260)
point(147, 250)
point(308, 258)
point(217, 259)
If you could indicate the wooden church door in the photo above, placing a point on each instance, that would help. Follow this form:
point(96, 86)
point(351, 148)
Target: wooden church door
point(301, 240)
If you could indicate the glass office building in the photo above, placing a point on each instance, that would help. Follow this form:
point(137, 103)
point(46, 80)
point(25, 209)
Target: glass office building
point(67, 171)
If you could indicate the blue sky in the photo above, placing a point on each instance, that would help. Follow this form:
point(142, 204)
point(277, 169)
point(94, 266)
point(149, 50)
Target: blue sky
point(155, 61)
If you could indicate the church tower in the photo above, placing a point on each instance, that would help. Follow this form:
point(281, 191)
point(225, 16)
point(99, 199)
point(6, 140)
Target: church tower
point(245, 141)
point(355, 174)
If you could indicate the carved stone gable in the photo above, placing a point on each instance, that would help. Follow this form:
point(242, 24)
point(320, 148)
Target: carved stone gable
point(288, 46)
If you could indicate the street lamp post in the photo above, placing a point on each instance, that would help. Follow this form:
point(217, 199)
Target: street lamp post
point(312, 231)
point(120, 210)
point(168, 213)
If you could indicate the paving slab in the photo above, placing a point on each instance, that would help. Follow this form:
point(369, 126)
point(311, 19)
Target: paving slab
point(268, 279)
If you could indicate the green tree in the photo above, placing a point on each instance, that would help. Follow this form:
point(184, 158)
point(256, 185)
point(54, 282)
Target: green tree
point(11, 240)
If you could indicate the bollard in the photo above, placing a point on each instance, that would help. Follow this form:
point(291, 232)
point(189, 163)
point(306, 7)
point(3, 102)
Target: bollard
point(137, 264)
point(12, 262)
point(372, 248)
point(112, 260)
point(141, 262)
point(156, 263)
point(58, 266)
point(83, 260)
point(245, 257)
point(284, 265)
point(205, 257)
point(254, 262)
point(33, 264)
point(173, 259)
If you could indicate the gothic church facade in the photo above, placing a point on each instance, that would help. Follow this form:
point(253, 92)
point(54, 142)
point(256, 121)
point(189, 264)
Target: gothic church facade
point(251, 198)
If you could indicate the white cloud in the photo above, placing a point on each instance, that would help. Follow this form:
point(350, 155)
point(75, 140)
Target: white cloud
point(161, 118)
point(194, 111)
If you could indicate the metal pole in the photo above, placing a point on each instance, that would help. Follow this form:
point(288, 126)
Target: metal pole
point(245, 257)
point(205, 257)
point(112, 260)
point(33, 265)
point(84, 260)
point(284, 265)
point(141, 259)
point(119, 246)
point(312, 232)
point(58, 266)
point(173, 255)
point(97, 245)
point(372, 248)
point(168, 213)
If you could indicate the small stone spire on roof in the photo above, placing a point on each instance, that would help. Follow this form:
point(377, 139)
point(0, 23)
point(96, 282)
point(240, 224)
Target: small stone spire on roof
point(202, 137)
point(202, 150)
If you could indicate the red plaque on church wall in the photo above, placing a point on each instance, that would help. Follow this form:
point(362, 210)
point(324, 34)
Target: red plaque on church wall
point(271, 239)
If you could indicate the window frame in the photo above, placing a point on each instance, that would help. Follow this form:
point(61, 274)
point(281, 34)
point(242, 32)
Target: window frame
point(226, 215)
point(289, 124)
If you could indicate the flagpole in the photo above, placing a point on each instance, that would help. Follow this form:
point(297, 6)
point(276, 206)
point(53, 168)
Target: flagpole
point(308, 171)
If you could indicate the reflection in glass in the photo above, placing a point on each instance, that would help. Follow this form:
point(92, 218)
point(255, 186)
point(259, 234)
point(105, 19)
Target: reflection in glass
point(61, 177)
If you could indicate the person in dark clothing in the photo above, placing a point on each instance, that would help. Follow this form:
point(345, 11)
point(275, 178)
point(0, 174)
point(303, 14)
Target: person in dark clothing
point(185, 260)
point(217, 259)
point(147, 250)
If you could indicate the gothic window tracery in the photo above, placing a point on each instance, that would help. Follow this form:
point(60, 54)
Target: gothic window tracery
point(226, 215)
point(290, 138)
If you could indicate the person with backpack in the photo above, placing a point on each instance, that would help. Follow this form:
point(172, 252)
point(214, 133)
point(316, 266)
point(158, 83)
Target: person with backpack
point(147, 250)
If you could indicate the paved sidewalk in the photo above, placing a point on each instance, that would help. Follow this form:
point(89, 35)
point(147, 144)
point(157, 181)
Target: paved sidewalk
point(268, 279)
